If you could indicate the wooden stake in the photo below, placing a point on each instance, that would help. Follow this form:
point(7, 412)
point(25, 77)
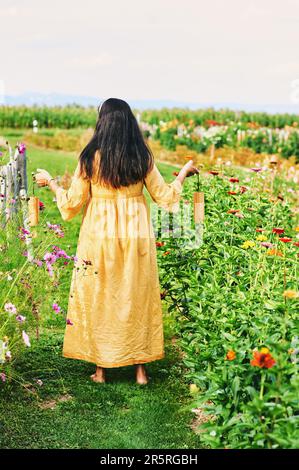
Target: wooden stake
point(198, 207)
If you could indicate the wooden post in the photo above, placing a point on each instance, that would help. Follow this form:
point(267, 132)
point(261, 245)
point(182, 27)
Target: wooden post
point(198, 207)
point(198, 213)
point(22, 167)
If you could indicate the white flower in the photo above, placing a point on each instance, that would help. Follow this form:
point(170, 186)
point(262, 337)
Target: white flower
point(213, 433)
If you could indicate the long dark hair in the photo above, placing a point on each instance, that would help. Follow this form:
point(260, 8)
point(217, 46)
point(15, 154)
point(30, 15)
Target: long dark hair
point(125, 158)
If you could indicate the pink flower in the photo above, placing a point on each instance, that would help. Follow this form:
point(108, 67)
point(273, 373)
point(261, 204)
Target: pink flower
point(50, 258)
point(56, 308)
point(11, 308)
point(69, 322)
point(38, 262)
point(50, 269)
point(21, 148)
point(267, 244)
point(20, 318)
point(26, 339)
point(2, 377)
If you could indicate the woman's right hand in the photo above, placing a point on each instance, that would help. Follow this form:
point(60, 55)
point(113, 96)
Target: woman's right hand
point(190, 169)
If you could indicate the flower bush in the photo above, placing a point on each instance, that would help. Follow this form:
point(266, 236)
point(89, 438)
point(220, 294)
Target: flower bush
point(235, 303)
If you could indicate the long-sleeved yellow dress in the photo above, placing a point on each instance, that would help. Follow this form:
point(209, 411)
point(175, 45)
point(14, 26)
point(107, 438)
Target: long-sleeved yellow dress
point(114, 310)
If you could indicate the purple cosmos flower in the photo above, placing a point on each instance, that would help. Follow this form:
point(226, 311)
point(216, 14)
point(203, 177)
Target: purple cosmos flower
point(56, 308)
point(20, 318)
point(22, 148)
point(50, 258)
point(50, 269)
point(38, 262)
point(8, 355)
point(26, 339)
point(11, 308)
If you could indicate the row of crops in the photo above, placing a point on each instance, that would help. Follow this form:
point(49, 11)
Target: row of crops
point(67, 117)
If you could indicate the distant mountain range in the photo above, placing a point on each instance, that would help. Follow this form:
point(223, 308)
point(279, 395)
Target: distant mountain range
point(59, 99)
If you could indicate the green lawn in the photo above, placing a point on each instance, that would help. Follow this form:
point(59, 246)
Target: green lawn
point(69, 410)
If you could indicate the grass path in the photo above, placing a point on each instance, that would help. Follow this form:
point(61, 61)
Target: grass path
point(69, 410)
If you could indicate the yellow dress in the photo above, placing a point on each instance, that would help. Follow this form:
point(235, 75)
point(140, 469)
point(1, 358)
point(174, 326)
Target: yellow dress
point(114, 310)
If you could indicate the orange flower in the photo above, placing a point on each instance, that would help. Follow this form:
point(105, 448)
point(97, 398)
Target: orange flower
point(263, 359)
point(188, 158)
point(166, 253)
point(230, 355)
point(159, 244)
point(274, 252)
point(232, 192)
point(233, 211)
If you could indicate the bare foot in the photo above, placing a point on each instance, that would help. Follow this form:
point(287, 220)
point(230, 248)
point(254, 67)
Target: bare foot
point(141, 377)
point(99, 375)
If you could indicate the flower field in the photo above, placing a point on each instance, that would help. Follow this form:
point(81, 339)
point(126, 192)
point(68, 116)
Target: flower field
point(232, 294)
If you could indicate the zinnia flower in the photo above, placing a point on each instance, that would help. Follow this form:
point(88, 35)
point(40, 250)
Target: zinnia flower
point(230, 355)
point(261, 238)
point(259, 230)
point(234, 180)
point(285, 239)
point(263, 359)
point(214, 173)
point(248, 244)
point(166, 253)
point(274, 252)
point(267, 244)
point(278, 230)
point(291, 294)
point(159, 244)
point(232, 192)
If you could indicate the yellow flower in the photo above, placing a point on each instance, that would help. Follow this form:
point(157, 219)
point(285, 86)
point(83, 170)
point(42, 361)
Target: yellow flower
point(264, 350)
point(261, 238)
point(291, 294)
point(248, 244)
point(291, 351)
point(5, 339)
point(296, 229)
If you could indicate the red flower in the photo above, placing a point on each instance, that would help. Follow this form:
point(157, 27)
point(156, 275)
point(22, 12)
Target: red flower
point(243, 189)
point(285, 239)
point(232, 192)
point(159, 244)
point(166, 253)
point(41, 205)
point(296, 243)
point(259, 230)
point(213, 172)
point(278, 230)
point(262, 359)
point(211, 122)
point(234, 180)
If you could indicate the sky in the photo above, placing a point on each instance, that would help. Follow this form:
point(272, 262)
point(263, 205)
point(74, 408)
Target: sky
point(192, 50)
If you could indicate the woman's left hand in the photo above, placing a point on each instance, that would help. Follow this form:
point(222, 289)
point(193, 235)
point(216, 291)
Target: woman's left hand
point(42, 177)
